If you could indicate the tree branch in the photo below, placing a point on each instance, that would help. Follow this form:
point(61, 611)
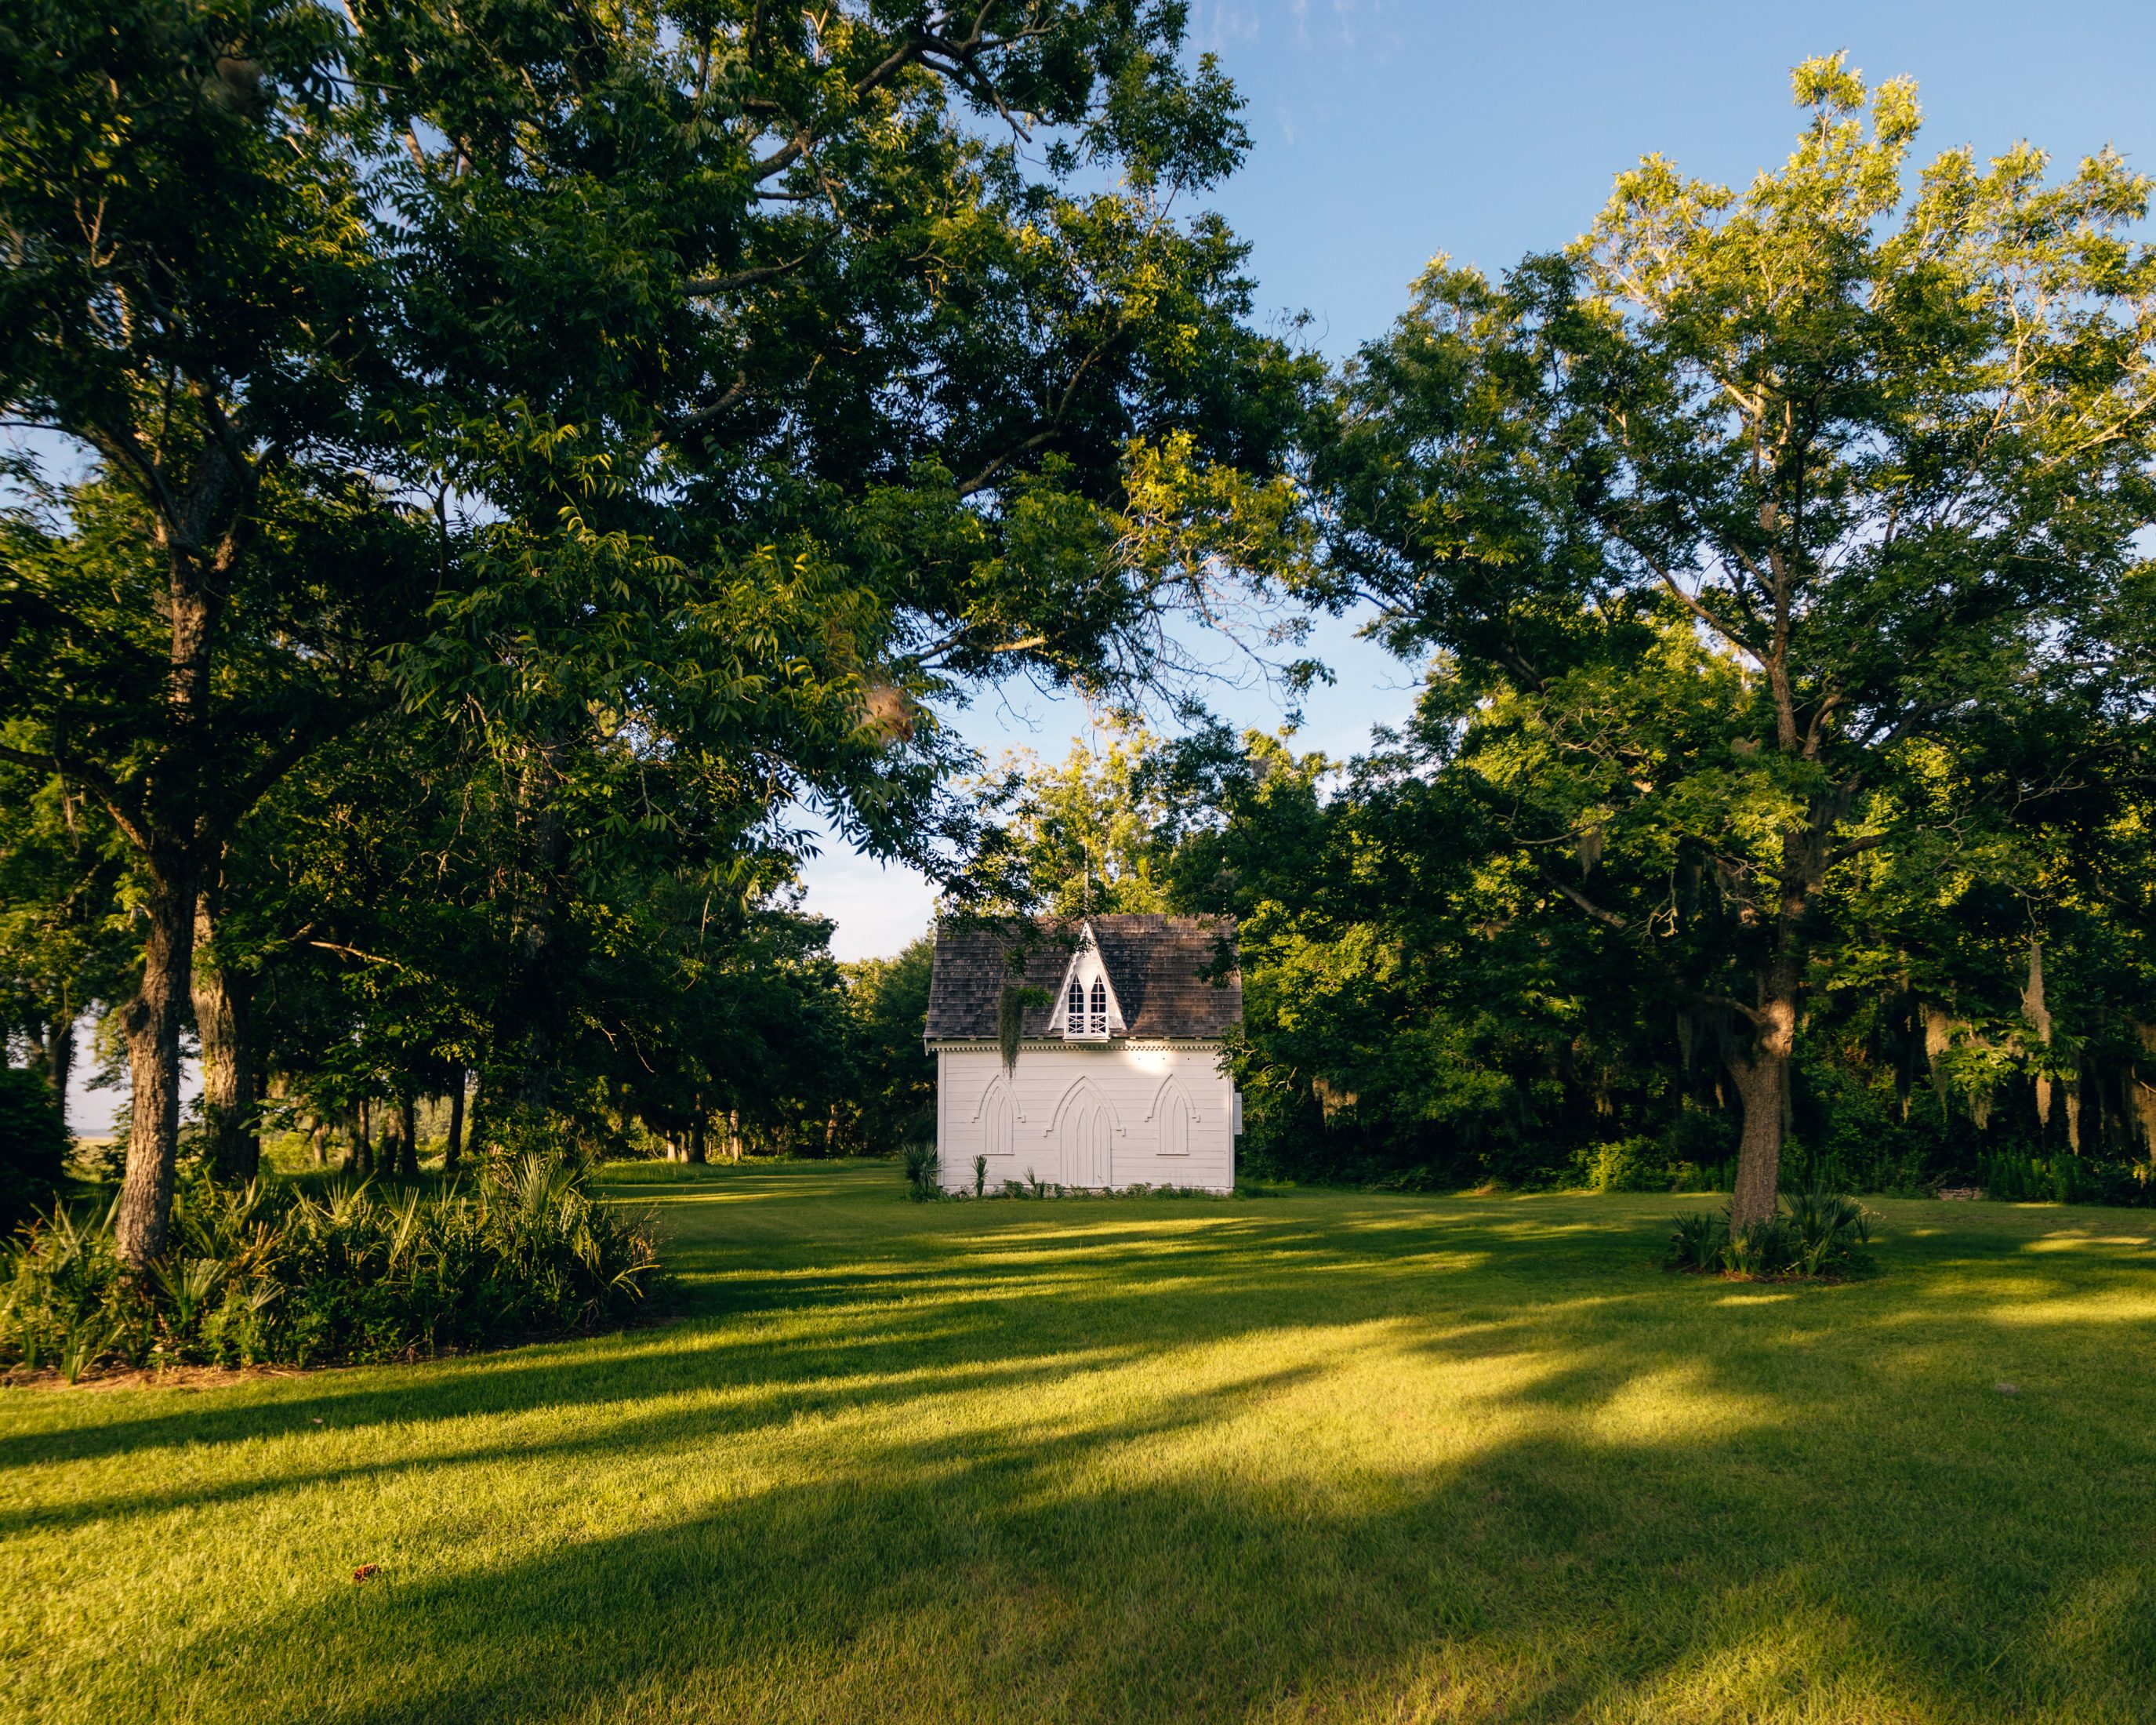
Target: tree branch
point(1608, 917)
point(123, 808)
point(980, 481)
point(1854, 847)
point(804, 137)
point(703, 287)
point(345, 952)
point(288, 754)
point(703, 416)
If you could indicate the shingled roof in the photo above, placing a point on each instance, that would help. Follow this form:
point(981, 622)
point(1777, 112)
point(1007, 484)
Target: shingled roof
point(1160, 967)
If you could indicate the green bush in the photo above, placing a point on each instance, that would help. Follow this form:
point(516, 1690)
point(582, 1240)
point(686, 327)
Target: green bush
point(1633, 1164)
point(1831, 1230)
point(1698, 1239)
point(2019, 1178)
point(272, 1273)
point(919, 1161)
point(1817, 1233)
point(34, 1146)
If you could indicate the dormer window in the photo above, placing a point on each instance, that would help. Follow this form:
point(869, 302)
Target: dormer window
point(1086, 1010)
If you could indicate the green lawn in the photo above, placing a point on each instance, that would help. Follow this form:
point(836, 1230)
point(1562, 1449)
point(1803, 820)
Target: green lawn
point(1327, 1456)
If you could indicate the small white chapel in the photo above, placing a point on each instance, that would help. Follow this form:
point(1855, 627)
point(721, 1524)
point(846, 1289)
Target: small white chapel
point(1120, 1079)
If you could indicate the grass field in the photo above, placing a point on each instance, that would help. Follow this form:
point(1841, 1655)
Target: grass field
point(1325, 1456)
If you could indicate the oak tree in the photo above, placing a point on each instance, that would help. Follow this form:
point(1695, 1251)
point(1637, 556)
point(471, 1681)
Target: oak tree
point(1719, 520)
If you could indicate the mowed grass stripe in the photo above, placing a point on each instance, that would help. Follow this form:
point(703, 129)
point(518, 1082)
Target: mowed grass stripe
point(1320, 1456)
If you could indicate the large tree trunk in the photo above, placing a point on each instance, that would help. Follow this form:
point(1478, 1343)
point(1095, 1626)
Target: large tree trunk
point(408, 1137)
point(168, 830)
point(225, 1014)
point(538, 915)
point(53, 1053)
point(1762, 1073)
point(153, 1021)
point(696, 1133)
point(453, 1149)
point(388, 1162)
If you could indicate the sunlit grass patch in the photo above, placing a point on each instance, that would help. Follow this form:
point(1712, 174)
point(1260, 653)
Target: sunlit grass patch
point(1330, 1457)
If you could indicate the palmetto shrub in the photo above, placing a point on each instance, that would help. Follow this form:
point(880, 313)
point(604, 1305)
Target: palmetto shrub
point(1818, 1233)
point(922, 1175)
point(1697, 1241)
point(274, 1273)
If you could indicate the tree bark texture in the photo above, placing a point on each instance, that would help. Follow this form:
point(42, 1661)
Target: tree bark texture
point(1762, 1068)
point(696, 1133)
point(1762, 1073)
point(169, 834)
point(452, 1148)
point(400, 1134)
point(479, 1111)
point(224, 1012)
point(153, 1020)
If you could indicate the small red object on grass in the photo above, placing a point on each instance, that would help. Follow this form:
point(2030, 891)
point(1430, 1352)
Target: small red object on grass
point(365, 1570)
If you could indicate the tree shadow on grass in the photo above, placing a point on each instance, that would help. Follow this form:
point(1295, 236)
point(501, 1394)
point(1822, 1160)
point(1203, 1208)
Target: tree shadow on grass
point(1566, 1567)
point(1027, 1288)
point(1481, 1472)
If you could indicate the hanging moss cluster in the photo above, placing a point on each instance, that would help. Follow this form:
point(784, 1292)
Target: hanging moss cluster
point(1010, 1020)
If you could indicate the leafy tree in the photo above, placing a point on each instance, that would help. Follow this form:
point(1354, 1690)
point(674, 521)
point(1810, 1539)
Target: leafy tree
point(64, 948)
point(183, 624)
point(1092, 833)
point(1409, 1014)
point(700, 388)
point(848, 406)
point(894, 1076)
point(1722, 520)
point(34, 1146)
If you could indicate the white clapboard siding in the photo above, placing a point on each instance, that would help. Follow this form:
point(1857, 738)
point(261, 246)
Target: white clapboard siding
point(1124, 1113)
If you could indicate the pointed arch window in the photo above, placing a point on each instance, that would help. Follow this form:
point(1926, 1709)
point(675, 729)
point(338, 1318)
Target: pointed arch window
point(1086, 1005)
point(997, 1133)
point(1176, 1118)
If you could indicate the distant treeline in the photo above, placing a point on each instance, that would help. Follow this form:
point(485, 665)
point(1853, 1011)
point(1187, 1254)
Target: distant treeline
point(1423, 1010)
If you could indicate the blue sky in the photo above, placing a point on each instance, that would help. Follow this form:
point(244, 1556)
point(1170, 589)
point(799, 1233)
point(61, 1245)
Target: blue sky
point(1384, 133)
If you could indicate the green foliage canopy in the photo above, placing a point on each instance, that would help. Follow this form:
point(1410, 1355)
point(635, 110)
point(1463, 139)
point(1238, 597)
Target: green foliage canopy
point(699, 391)
point(1722, 522)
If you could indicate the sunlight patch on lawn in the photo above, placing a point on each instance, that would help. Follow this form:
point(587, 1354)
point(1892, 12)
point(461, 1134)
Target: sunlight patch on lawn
point(1678, 1404)
point(1806, 1664)
point(2074, 1241)
point(2111, 1308)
